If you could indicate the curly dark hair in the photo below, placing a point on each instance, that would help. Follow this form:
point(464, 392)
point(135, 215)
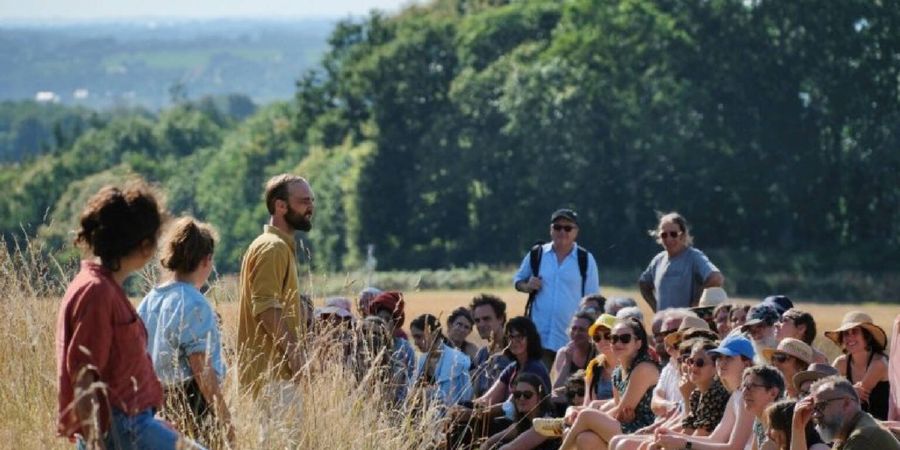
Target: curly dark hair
point(499, 306)
point(462, 311)
point(185, 245)
point(117, 221)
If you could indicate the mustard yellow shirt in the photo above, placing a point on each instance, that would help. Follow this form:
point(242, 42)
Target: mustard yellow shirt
point(268, 280)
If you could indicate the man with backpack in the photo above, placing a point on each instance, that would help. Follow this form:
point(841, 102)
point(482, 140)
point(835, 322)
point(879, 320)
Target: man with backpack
point(556, 275)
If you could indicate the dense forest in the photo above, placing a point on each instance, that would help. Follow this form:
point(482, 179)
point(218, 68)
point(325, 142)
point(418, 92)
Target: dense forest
point(445, 136)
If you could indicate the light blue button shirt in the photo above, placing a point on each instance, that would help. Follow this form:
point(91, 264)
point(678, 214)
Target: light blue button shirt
point(557, 301)
point(451, 376)
point(180, 322)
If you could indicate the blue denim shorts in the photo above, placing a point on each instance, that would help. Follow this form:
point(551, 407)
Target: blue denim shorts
point(142, 431)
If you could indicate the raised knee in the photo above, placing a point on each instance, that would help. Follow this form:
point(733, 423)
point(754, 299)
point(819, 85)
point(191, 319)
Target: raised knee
point(587, 440)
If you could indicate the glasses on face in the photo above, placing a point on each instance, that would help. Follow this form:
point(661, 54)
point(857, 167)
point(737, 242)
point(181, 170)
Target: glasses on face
point(566, 228)
point(515, 337)
point(669, 234)
point(697, 362)
point(748, 386)
point(600, 337)
point(623, 338)
point(522, 394)
point(820, 405)
point(575, 393)
point(780, 358)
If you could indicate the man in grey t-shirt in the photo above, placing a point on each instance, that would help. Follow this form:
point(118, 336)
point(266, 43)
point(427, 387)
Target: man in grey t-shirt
point(677, 275)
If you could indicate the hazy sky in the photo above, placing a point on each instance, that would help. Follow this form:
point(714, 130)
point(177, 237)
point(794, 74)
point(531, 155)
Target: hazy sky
point(111, 9)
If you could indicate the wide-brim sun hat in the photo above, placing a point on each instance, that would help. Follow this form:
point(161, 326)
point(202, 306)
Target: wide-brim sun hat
point(688, 323)
point(814, 372)
point(712, 296)
point(791, 347)
point(855, 319)
point(607, 321)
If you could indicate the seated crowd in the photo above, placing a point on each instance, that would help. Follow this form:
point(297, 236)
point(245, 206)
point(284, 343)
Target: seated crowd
point(716, 376)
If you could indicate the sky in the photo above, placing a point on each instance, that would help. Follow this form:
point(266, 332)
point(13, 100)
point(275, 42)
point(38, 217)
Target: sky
point(69, 10)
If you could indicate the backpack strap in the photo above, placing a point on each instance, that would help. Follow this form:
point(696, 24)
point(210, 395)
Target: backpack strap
point(582, 267)
point(534, 257)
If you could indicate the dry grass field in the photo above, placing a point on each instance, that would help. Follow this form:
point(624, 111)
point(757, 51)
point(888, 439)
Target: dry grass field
point(335, 412)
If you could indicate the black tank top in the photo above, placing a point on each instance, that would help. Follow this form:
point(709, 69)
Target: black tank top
point(877, 405)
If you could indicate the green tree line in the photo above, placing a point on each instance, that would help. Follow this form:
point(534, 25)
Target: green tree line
point(446, 134)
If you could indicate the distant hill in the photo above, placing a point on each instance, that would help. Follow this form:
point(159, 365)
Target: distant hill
point(143, 63)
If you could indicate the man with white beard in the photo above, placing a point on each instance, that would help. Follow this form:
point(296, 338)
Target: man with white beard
point(833, 405)
point(760, 329)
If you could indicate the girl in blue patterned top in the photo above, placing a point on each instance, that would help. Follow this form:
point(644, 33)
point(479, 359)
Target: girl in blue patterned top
point(629, 409)
point(183, 335)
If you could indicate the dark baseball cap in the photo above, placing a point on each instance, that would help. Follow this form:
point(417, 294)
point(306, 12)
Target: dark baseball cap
point(781, 303)
point(564, 213)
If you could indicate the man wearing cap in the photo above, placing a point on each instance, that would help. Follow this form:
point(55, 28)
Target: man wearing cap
point(833, 405)
point(760, 327)
point(558, 285)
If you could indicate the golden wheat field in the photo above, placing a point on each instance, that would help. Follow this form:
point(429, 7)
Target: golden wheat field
point(336, 412)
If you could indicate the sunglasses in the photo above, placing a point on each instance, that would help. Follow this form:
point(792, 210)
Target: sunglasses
point(575, 393)
point(669, 234)
point(522, 394)
point(780, 358)
point(697, 362)
point(623, 338)
point(566, 228)
point(600, 337)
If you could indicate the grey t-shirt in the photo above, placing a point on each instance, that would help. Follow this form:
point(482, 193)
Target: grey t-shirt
point(678, 280)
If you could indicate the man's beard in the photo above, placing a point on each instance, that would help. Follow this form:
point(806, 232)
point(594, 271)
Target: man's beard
point(828, 429)
point(296, 220)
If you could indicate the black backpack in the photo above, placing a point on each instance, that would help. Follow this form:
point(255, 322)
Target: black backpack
point(534, 257)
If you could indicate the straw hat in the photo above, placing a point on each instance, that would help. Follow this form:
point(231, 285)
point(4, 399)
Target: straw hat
point(690, 323)
point(855, 319)
point(712, 297)
point(605, 320)
point(814, 372)
point(791, 347)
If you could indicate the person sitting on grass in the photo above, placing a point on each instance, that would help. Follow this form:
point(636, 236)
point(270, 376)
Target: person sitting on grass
point(459, 327)
point(790, 358)
point(598, 374)
point(629, 408)
point(183, 335)
point(779, 417)
point(573, 356)
point(389, 306)
point(864, 362)
point(442, 371)
point(531, 401)
point(800, 325)
point(733, 356)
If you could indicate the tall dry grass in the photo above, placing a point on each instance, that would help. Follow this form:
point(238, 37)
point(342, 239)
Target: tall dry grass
point(336, 409)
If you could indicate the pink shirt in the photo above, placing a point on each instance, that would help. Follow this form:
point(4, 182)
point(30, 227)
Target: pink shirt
point(98, 329)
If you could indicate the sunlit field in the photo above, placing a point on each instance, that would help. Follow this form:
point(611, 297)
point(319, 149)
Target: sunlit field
point(336, 411)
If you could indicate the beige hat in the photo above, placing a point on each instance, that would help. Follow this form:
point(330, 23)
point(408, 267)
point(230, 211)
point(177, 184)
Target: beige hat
point(713, 296)
point(791, 347)
point(855, 319)
point(689, 323)
point(814, 372)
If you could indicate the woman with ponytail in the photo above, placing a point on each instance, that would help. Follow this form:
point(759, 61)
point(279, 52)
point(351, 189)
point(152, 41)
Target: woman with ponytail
point(183, 333)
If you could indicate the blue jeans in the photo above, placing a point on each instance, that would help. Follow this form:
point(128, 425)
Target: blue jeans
point(142, 431)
